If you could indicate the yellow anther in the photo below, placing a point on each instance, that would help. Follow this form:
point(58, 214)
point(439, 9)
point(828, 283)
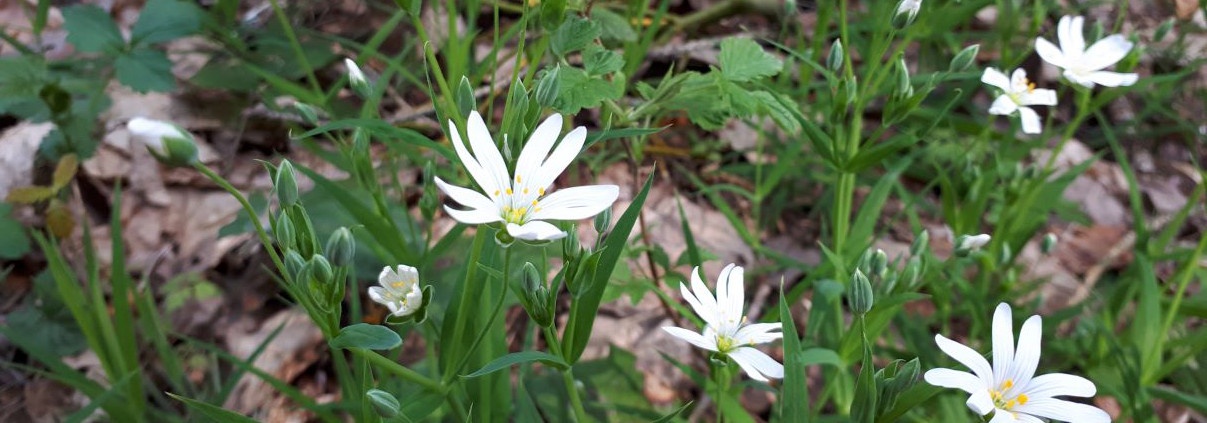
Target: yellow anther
point(533, 203)
point(517, 179)
point(1031, 87)
point(496, 193)
point(525, 191)
point(1009, 383)
point(1022, 399)
point(540, 191)
point(509, 192)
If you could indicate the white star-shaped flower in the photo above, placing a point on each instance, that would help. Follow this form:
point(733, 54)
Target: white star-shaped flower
point(523, 201)
point(399, 290)
point(726, 330)
point(1010, 388)
point(1017, 94)
point(1085, 66)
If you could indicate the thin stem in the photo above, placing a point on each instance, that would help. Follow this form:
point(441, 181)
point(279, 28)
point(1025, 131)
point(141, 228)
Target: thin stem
point(494, 314)
point(297, 46)
point(380, 362)
point(251, 214)
point(463, 314)
point(576, 403)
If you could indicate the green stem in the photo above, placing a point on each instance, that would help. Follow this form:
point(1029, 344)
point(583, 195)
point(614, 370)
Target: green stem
point(494, 314)
point(463, 314)
point(251, 214)
point(380, 362)
point(576, 402)
point(297, 47)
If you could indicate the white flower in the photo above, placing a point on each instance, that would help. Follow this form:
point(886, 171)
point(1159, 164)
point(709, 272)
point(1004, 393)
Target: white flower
point(972, 242)
point(1081, 65)
point(1010, 387)
point(1017, 94)
point(522, 202)
point(153, 132)
point(399, 290)
point(725, 329)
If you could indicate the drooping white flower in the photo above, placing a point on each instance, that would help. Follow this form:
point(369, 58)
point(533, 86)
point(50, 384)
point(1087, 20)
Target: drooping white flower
point(1017, 94)
point(725, 327)
point(399, 290)
point(1010, 387)
point(1084, 66)
point(523, 202)
point(166, 141)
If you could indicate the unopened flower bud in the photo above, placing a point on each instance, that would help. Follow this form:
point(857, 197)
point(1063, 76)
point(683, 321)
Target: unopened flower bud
point(308, 113)
point(284, 232)
point(603, 220)
point(357, 79)
point(320, 269)
point(921, 243)
point(294, 263)
point(341, 247)
point(859, 293)
point(835, 59)
point(383, 403)
point(964, 58)
point(1048, 244)
point(167, 142)
point(547, 89)
point(907, 11)
point(286, 184)
point(879, 263)
point(536, 296)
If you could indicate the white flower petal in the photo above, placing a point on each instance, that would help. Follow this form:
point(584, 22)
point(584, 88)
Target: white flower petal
point(1072, 38)
point(759, 333)
point(378, 294)
point(480, 176)
point(948, 378)
point(1112, 79)
point(1026, 356)
point(1003, 105)
point(1079, 78)
point(561, 157)
point(487, 152)
point(1059, 384)
point(1003, 342)
point(1050, 53)
point(1105, 52)
point(968, 357)
point(980, 402)
point(1030, 120)
point(465, 196)
point(757, 364)
point(1037, 97)
point(708, 311)
point(692, 337)
point(473, 217)
point(535, 230)
point(697, 306)
point(576, 203)
point(538, 146)
point(1003, 416)
point(1062, 410)
point(735, 297)
point(996, 78)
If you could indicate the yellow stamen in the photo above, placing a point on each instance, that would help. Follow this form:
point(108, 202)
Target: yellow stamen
point(509, 192)
point(1030, 87)
point(1022, 399)
point(517, 179)
point(496, 193)
point(525, 191)
point(1009, 383)
point(540, 191)
point(533, 203)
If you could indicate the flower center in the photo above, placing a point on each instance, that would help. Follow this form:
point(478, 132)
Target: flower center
point(725, 343)
point(519, 201)
point(1003, 400)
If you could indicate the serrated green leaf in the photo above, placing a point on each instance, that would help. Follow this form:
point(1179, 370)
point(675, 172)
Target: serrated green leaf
point(90, 29)
point(742, 60)
point(519, 358)
point(578, 90)
point(601, 61)
point(612, 26)
point(573, 35)
point(165, 20)
point(364, 335)
point(145, 70)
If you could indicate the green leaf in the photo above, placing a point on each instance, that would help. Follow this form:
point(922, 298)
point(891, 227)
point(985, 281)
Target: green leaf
point(578, 90)
point(670, 417)
point(65, 171)
point(863, 410)
point(582, 311)
point(609, 134)
point(742, 59)
point(91, 30)
point(601, 61)
point(145, 70)
point(795, 379)
point(30, 195)
point(553, 13)
point(821, 356)
point(612, 27)
point(364, 335)
point(519, 358)
point(212, 412)
point(14, 243)
point(574, 34)
point(384, 131)
point(165, 20)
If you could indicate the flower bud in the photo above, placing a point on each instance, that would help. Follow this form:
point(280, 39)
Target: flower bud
point(284, 232)
point(1048, 244)
point(341, 247)
point(912, 272)
point(921, 243)
point(465, 97)
point(167, 142)
point(1007, 253)
point(308, 113)
point(547, 89)
point(383, 403)
point(603, 221)
point(320, 269)
point(907, 11)
point(905, 87)
point(879, 263)
point(966, 244)
point(357, 79)
point(286, 184)
point(835, 59)
point(536, 296)
point(859, 293)
point(964, 58)
point(294, 263)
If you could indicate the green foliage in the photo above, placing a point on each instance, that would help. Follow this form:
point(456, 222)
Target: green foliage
point(363, 335)
point(90, 29)
point(14, 243)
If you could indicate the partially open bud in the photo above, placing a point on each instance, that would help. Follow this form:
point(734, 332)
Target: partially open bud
point(966, 244)
point(383, 403)
point(964, 58)
point(357, 79)
point(907, 11)
point(167, 142)
point(834, 60)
